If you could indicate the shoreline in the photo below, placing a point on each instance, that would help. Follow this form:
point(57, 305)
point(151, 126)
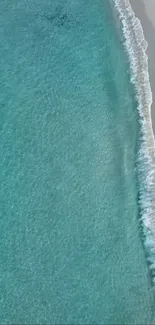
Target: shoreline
point(138, 46)
point(144, 11)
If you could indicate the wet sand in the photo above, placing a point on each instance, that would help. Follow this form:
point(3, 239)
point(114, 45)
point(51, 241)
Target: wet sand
point(145, 11)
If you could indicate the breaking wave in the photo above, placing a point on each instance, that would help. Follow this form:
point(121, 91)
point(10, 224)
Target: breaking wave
point(136, 45)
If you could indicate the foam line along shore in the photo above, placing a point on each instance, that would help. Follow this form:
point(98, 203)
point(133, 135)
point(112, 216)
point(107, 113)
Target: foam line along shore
point(136, 47)
point(145, 11)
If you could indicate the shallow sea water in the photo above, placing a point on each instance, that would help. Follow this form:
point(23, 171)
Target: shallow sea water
point(70, 245)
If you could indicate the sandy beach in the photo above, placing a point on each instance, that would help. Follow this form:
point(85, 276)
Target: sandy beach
point(144, 10)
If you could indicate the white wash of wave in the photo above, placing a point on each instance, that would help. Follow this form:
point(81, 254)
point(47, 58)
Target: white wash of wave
point(136, 45)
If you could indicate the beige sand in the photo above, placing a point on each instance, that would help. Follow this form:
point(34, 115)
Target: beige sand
point(150, 9)
point(145, 11)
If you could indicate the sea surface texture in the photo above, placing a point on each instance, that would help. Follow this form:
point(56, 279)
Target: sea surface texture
point(71, 243)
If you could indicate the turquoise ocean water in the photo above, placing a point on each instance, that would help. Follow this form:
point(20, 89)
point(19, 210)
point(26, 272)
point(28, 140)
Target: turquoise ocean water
point(74, 242)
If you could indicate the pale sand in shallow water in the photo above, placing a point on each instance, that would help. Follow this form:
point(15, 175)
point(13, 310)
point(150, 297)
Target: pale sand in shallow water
point(145, 11)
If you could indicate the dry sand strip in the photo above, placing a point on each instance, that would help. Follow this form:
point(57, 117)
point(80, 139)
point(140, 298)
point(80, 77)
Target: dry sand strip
point(145, 11)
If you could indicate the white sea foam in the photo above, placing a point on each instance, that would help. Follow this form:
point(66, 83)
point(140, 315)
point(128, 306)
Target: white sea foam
point(136, 45)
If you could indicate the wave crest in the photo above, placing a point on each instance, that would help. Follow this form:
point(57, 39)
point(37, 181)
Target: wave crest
point(136, 45)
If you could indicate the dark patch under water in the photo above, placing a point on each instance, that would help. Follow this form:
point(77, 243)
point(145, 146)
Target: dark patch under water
point(61, 18)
